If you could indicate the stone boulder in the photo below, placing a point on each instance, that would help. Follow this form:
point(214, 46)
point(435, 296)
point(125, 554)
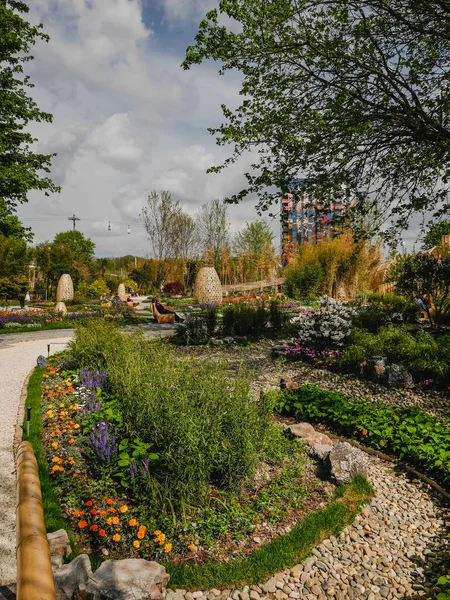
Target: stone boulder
point(60, 308)
point(309, 435)
point(286, 383)
point(69, 578)
point(346, 462)
point(397, 377)
point(129, 579)
point(41, 361)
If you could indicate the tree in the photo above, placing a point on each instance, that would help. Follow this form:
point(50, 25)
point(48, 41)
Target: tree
point(20, 167)
point(81, 248)
point(419, 275)
point(214, 228)
point(10, 226)
point(253, 238)
point(433, 237)
point(186, 238)
point(353, 95)
point(159, 220)
point(14, 257)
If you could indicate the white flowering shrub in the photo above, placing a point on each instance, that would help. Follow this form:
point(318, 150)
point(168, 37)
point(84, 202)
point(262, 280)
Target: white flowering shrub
point(329, 325)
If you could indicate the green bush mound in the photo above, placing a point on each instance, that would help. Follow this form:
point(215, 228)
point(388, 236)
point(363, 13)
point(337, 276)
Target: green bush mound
point(423, 355)
point(410, 433)
point(377, 309)
point(204, 424)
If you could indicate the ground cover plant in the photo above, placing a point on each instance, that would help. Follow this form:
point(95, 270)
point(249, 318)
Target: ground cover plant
point(410, 433)
point(165, 458)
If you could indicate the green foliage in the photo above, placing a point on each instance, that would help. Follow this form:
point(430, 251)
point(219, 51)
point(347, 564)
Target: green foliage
point(284, 551)
point(204, 426)
point(381, 309)
point(14, 256)
point(433, 236)
point(422, 355)
point(73, 242)
point(14, 288)
point(327, 92)
point(410, 433)
point(11, 227)
point(303, 281)
point(245, 320)
point(21, 169)
point(424, 275)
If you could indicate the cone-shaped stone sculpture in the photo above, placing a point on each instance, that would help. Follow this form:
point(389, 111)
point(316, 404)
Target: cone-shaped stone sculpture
point(64, 291)
point(207, 288)
point(121, 291)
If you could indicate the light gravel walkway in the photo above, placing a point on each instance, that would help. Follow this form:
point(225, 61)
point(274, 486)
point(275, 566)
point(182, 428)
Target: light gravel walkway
point(18, 353)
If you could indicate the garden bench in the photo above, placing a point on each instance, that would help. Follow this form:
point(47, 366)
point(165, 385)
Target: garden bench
point(162, 318)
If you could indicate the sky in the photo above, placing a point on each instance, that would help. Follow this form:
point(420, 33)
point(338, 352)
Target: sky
point(126, 118)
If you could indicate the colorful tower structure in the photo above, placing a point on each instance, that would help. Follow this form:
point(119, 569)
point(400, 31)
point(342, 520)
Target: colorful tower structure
point(305, 219)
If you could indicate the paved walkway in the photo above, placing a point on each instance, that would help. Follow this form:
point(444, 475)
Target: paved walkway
point(18, 353)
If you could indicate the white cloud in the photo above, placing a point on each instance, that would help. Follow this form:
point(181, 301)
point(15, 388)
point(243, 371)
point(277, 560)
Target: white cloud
point(127, 119)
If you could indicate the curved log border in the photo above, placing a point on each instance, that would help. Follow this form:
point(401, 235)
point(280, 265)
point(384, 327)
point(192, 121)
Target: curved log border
point(34, 570)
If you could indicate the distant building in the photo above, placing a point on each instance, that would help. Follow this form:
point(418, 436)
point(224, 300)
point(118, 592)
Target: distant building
point(305, 219)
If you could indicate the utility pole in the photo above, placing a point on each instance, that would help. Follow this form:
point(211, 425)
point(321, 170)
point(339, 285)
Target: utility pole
point(73, 218)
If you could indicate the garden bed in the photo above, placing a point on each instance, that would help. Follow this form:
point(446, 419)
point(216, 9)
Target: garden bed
point(125, 492)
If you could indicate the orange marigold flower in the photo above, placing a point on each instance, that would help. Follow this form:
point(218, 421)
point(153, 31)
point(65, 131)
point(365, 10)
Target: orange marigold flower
point(71, 441)
point(93, 527)
point(109, 501)
point(94, 512)
point(102, 533)
point(133, 523)
point(137, 544)
point(82, 524)
point(89, 503)
point(55, 445)
point(115, 520)
point(76, 513)
point(123, 509)
point(102, 513)
point(116, 537)
point(143, 528)
point(167, 548)
point(140, 534)
point(109, 521)
point(157, 532)
point(111, 510)
point(191, 546)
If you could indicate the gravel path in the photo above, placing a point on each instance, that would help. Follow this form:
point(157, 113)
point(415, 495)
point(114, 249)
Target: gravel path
point(394, 549)
point(18, 353)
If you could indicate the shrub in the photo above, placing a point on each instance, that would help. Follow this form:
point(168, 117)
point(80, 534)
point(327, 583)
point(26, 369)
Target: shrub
point(422, 355)
point(204, 426)
point(197, 328)
point(245, 319)
point(303, 281)
point(326, 326)
point(173, 288)
point(410, 433)
point(382, 309)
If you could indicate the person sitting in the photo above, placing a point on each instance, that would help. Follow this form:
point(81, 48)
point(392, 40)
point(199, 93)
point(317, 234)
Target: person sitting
point(116, 299)
point(164, 311)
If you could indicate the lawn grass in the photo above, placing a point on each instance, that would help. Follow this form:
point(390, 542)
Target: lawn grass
point(54, 517)
point(283, 552)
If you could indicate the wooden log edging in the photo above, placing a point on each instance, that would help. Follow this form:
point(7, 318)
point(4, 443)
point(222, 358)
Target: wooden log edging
point(34, 570)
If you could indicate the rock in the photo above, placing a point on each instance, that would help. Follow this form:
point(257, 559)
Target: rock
point(216, 342)
point(321, 450)
point(308, 434)
point(397, 377)
point(70, 577)
point(129, 579)
point(270, 586)
point(60, 308)
point(346, 462)
point(41, 361)
point(287, 384)
point(57, 561)
point(64, 291)
point(228, 340)
point(59, 542)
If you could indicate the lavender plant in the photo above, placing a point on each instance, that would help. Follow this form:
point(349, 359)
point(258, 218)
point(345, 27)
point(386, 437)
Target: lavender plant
point(103, 441)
